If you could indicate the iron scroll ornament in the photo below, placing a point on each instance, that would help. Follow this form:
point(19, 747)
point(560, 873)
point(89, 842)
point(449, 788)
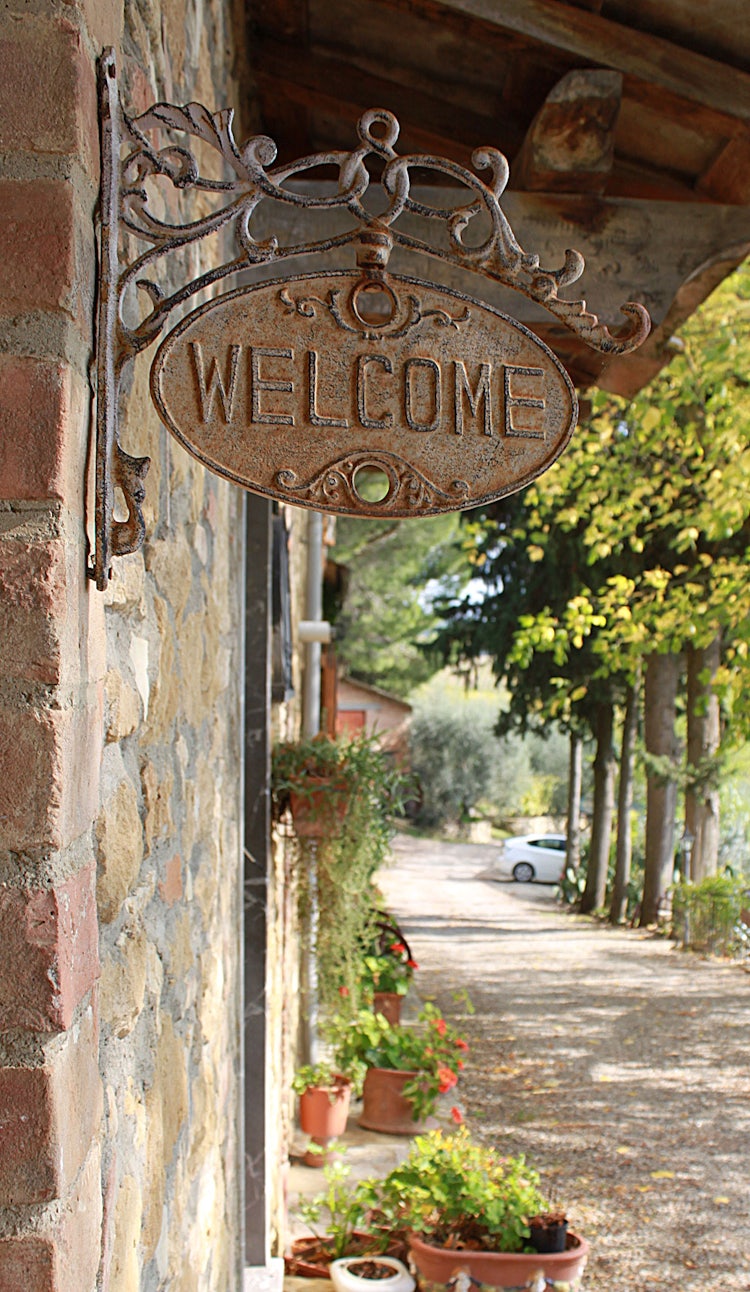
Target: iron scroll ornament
point(135, 167)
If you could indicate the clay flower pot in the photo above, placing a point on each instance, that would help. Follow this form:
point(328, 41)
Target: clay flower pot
point(388, 1003)
point(384, 1106)
point(319, 811)
point(500, 1269)
point(323, 1111)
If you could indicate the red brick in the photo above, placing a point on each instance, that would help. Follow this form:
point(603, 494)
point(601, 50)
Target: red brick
point(32, 609)
point(49, 775)
point(49, 1117)
point(65, 1256)
point(43, 426)
point(30, 779)
point(59, 115)
point(27, 1265)
point(37, 245)
point(27, 1149)
point(49, 952)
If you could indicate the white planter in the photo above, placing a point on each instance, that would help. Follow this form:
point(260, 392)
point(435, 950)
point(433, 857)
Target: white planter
point(345, 1278)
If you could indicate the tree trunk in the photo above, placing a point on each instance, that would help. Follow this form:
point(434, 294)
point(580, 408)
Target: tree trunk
point(618, 908)
point(703, 735)
point(604, 807)
point(662, 678)
point(575, 776)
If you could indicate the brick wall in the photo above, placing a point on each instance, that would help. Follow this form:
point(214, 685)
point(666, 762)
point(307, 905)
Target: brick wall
point(119, 727)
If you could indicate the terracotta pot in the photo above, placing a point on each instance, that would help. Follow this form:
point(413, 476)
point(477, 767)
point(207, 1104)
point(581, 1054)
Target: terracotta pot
point(308, 1257)
point(500, 1269)
point(384, 1107)
point(323, 1111)
point(320, 811)
point(388, 1003)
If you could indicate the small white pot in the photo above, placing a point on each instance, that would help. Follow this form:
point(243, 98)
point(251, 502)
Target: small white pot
point(345, 1278)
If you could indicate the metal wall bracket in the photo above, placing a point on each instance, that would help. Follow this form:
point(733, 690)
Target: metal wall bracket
point(150, 168)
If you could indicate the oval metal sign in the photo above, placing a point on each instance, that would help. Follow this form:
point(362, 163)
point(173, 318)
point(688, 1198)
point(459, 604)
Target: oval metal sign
point(368, 397)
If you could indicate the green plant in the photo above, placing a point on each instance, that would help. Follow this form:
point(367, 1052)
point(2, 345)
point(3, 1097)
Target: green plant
point(325, 1076)
point(433, 1050)
point(455, 1192)
point(334, 873)
point(335, 1214)
point(705, 916)
point(387, 970)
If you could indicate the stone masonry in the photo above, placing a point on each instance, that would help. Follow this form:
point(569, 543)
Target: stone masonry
point(120, 739)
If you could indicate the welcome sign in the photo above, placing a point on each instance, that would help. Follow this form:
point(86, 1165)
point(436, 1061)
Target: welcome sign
point(367, 394)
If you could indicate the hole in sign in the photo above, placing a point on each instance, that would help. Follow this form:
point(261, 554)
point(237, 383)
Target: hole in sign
point(374, 304)
point(371, 484)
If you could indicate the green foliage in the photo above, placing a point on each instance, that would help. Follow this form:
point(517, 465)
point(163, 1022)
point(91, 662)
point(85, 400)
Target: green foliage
point(433, 1049)
point(386, 621)
point(341, 864)
point(325, 1076)
point(452, 1190)
point(389, 971)
point(705, 915)
point(453, 752)
point(336, 1213)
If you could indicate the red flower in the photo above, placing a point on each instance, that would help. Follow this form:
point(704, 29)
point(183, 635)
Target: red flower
point(343, 991)
point(398, 947)
point(460, 1065)
point(441, 1026)
point(456, 1115)
point(446, 1078)
point(461, 1044)
point(412, 964)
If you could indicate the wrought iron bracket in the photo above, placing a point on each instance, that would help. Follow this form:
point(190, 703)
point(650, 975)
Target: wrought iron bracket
point(151, 166)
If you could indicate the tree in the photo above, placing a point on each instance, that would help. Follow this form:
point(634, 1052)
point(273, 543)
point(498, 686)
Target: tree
point(385, 622)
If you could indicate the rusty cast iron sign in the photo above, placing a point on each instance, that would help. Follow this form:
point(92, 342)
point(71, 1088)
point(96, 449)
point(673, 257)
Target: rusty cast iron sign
point(355, 391)
point(367, 397)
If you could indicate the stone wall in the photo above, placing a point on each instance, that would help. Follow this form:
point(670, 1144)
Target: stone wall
point(120, 911)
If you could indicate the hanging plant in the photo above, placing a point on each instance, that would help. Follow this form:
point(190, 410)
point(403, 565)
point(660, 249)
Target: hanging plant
point(352, 789)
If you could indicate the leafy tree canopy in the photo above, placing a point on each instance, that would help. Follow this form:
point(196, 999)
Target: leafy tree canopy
point(387, 621)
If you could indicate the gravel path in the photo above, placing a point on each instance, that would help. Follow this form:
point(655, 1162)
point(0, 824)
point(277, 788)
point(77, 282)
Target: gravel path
point(617, 1064)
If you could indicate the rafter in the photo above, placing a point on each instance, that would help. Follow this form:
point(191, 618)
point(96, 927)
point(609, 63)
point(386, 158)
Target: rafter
point(601, 42)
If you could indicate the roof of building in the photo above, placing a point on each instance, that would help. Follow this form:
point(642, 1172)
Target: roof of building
point(625, 123)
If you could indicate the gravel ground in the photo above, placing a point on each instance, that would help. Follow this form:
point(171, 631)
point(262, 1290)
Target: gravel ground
point(616, 1063)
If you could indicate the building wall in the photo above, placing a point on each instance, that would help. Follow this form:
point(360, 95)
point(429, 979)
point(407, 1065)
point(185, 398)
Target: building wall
point(120, 740)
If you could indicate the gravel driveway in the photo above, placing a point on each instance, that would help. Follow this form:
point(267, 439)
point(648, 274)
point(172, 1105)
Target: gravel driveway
point(617, 1064)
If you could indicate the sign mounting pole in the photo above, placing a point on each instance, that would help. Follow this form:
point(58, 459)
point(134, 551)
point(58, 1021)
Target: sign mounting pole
point(358, 391)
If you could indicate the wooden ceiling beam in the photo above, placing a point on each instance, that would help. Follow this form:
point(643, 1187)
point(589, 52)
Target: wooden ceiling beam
point(727, 179)
point(345, 92)
point(604, 43)
point(569, 147)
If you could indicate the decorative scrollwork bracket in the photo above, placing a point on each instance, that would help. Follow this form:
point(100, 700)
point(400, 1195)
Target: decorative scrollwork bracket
point(135, 211)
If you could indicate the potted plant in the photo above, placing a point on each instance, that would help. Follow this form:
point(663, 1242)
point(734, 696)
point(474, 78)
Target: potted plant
point(324, 1097)
point(466, 1206)
point(339, 1218)
point(406, 1068)
point(385, 978)
point(350, 791)
point(310, 778)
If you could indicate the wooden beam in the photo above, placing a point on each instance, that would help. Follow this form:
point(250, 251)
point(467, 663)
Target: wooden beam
point(340, 90)
point(604, 43)
point(569, 147)
point(727, 179)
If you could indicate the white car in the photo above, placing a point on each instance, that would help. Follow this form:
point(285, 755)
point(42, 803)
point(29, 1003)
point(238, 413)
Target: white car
point(533, 856)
